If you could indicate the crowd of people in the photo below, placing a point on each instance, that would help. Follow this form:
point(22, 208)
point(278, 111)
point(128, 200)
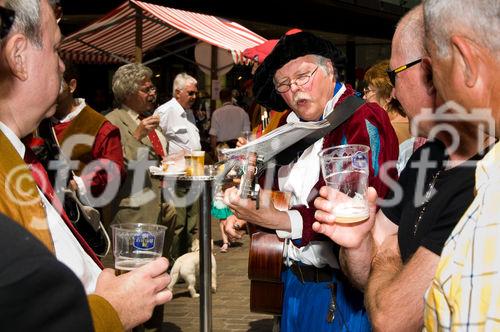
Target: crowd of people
point(425, 259)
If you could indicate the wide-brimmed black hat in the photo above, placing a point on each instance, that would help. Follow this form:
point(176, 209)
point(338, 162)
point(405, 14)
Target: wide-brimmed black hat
point(288, 48)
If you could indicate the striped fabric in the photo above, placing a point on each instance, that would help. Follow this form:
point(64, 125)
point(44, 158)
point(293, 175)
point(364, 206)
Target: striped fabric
point(465, 292)
point(111, 39)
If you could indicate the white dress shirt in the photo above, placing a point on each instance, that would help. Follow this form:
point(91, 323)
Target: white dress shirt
point(180, 132)
point(299, 178)
point(68, 249)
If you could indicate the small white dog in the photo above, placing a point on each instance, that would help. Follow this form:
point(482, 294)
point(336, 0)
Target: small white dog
point(188, 268)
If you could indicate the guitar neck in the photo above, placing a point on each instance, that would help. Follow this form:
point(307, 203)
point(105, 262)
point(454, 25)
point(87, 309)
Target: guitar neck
point(247, 183)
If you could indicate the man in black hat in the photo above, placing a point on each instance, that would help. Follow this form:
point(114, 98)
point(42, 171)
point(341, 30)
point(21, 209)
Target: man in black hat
point(299, 74)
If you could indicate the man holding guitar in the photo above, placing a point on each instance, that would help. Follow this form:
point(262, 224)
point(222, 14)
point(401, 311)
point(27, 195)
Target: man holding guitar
point(299, 74)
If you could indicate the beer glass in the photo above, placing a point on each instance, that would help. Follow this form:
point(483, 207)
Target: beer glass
point(345, 168)
point(135, 245)
point(195, 162)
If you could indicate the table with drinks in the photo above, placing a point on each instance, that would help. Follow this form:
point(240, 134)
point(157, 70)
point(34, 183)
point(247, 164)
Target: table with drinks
point(197, 172)
point(200, 175)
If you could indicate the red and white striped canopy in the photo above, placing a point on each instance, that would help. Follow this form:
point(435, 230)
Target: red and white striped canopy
point(112, 39)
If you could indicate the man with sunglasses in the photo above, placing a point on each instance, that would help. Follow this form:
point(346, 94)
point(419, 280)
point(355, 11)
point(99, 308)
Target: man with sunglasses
point(175, 120)
point(299, 74)
point(178, 124)
point(394, 255)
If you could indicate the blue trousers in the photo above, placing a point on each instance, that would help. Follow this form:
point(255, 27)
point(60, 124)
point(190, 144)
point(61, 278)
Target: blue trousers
point(305, 306)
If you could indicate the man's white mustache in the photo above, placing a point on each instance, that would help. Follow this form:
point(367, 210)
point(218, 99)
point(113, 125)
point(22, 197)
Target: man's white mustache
point(301, 96)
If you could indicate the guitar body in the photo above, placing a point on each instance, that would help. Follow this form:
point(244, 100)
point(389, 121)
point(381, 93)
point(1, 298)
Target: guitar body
point(265, 264)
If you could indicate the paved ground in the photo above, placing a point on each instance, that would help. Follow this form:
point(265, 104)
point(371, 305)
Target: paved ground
point(231, 302)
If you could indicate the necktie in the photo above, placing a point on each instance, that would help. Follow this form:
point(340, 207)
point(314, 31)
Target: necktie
point(155, 141)
point(42, 180)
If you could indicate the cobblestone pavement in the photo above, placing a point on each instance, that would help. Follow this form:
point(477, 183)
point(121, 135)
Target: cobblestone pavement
point(231, 302)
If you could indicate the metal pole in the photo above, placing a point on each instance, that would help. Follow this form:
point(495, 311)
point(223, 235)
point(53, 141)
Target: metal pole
point(205, 258)
point(138, 35)
point(213, 76)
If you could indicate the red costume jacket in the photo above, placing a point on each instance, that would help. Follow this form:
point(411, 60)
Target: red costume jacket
point(106, 148)
point(370, 126)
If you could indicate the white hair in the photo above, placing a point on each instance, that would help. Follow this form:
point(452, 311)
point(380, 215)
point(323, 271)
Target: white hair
point(478, 20)
point(181, 80)
point(127, 80)
point(411, 34)
point(322, 61)
point(28, 19)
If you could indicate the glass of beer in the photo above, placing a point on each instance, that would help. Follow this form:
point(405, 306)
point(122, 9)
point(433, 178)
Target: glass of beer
point(196, 163)
point(135, 245)
point(345, 168)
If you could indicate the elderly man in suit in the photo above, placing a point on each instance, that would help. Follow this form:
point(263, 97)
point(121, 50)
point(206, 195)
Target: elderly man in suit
point(143, 145)
point(139, 199)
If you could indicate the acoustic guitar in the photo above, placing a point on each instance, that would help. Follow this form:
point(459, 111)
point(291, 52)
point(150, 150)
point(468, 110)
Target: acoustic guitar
point(265, 261)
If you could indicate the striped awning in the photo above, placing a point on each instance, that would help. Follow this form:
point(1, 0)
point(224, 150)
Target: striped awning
point(112, 39)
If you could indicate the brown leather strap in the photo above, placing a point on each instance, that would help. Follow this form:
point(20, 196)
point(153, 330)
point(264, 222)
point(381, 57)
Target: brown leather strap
point(310, 273)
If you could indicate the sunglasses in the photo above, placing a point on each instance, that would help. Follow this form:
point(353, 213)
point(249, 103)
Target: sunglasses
point(392, 73)
point(7, 17)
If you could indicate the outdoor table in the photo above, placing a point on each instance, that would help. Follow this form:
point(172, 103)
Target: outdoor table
point(205, 234)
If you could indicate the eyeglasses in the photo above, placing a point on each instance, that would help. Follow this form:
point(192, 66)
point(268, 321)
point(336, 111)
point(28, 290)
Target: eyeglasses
point(192, 93)
point(368, 90)
point(299, 81)
point(392, 73)
point(148, 89)
point(7, 17)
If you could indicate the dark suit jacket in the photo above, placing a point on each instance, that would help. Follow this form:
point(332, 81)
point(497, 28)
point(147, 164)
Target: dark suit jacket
point(37, 292)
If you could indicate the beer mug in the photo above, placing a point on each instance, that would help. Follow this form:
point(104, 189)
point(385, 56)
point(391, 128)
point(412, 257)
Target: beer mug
point(345, 168)
point(135, 245)
point(195, 163)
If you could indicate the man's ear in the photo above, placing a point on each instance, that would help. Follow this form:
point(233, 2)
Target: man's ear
point(329, 66)
point(72, 85)
point(16, 53)
point(427, 73)
point(465, 56)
